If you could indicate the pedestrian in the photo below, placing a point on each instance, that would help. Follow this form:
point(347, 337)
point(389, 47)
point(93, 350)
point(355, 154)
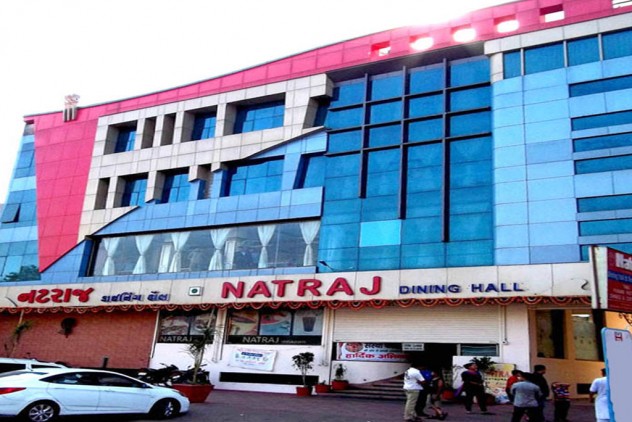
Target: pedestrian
point(526, 396)
point(600, 387)
point(473, 386)
point(511, 381)
point(435, 389)
point(422, 401)
point(413, 384)
point(540, 381)
point(561, 401)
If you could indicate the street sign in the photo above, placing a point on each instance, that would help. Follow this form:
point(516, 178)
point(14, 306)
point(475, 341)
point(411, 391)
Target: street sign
point(612, 281)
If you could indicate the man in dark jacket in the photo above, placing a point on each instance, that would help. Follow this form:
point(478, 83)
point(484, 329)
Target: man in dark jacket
point(540, 381)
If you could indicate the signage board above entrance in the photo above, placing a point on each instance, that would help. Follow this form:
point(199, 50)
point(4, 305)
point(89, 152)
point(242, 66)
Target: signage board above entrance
point(612, 288)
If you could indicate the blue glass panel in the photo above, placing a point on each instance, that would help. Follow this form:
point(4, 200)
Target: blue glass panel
point(430, 255)
point(386, 86)
point(471, 123)
point(25, 159)
point(10, 213)
point(348, 93)
point(512, 64)
point(339, 236)
point(421, 230)
point(601, 120)
point(474, 149)
point(623, 162)
point(472, 253)
point(385, 135)
point(605, 203)
point(584, 50)
point(471, 200)
point(385, 112)
point(134, 192)
point(256, 177)
point(175, 188)
point(603, 142)
point(341, 188)
point(344, 211)
point(350, 140)
point(259, 116)
point(425, 155)
point(470, 98)
point(379, 258)
point(380, 208)
point(426, 79)
point(203, 126)
point(425, 130)
point(604, 227)
point(469, 72)
point(617, 44)
point(345, 165)
point(425, 178)
point(425, 106)
point(312, 171)
point(540, 59)
point(348, 117)
point(125, 139)
point(383, 173)
point(471, 226)
point(604, 85)
point(424, 204)
point(471, 174)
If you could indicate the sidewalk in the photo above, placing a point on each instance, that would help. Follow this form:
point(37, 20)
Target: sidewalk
point(232, 406)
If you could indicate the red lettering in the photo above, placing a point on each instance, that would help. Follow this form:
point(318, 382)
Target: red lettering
point(280, 290)
point(377, 284)
point(56, 295)
point(41, 296)
point(237, 291)
point(27, 297)
point(340, 285)
point(310, 285)
point(259, 288)
point(82, 295)
point(68, 292)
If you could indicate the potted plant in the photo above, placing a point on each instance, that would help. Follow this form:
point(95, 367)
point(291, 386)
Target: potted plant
point(339, 382)
point(322, 387)
point(303, 362)
point(196, 385)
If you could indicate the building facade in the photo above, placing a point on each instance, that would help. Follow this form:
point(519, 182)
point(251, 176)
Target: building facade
point(426, 192)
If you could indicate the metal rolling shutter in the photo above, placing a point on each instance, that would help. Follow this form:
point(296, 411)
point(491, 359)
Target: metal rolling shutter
point(439, 324)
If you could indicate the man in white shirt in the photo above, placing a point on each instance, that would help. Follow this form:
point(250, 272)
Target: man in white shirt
point(600, 387)
point(413, 381)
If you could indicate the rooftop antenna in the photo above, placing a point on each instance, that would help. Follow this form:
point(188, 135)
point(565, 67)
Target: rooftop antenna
point(70, 107)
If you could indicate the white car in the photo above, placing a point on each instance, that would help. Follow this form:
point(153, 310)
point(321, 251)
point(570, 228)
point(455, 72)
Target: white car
point(43, 395)
point(14, 364)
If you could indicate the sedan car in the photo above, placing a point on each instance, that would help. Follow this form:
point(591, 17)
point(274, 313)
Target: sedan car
point(43, 395)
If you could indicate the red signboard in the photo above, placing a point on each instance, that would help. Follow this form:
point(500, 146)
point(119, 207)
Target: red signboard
point(619, 291)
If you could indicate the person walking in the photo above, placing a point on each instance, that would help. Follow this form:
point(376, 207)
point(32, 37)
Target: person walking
point(511, 381)
point(526, 396)
point(540, 381)
point(422, 401)
point(561, 401)
point(600, 387)
point(413, 384)
point(435, 389)
point(473, 386)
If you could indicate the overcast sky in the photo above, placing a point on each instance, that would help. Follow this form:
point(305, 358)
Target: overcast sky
point(115, 49)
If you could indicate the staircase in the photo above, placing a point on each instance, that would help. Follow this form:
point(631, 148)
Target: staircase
point(388, 389)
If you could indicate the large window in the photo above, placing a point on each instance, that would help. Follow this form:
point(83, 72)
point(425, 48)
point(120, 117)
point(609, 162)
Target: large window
point(275, 326)
point(550, 334)
point(204, 126)
point(254, 177)
point(125, 139)
point(183, 327)
point(259, 116)
point(176, 187)
point(134, 191)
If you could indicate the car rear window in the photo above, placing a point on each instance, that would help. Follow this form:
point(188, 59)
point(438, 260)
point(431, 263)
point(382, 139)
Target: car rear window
point(6, 367)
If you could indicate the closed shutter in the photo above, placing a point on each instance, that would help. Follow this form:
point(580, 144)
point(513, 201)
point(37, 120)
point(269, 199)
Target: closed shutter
point(439, 324)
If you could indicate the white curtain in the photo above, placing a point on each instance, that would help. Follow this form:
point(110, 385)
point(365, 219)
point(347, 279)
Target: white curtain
point(231, 246)
point(142, 244)
point(179, 239)
point(265, 235)
point(111, 244)
point(309, 231)
point(218, 237)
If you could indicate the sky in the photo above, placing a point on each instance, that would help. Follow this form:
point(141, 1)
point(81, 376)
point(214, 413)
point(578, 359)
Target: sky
point(114, 49)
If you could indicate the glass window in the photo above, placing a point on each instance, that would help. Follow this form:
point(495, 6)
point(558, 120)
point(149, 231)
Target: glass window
point(471, 226)
point(584, 50)
point(597, 165)
point(617, 44)
point(470, 123)
point(259, 116)
point(604, 85)
point(176, 187)
point(257, 177)
point(512, 64)
point(540, 59)
point(385, 112)
point(295, 327)
point(470, 98)
point(125, 139)
point(605, 203)
point(601, 227)
point(602, 120)
point(550, 334)
point(204, 126)
point(478, 349)
point(383, 173)
point(342, 177)
point(422, 230)
point(348, 117)
point(311, 171)
point(11, 213)
point(469, 72)
point(585, 336)
point(183, 327)
point(426, 79)
point(386, 86)
point(385, 135)
point(425, 130)
point(603, 142)
point(346, 93)
point(134, 191)
point(425, 106)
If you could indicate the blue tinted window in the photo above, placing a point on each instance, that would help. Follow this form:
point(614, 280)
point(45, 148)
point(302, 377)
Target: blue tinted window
point(312, 171)
point(424, 179)
point(471, 200)
point(584, 50)
point(604, 85)
point(349, 117)
point(259, 116)
point(203, 126)
point(425, 106)
point(342, 177)
point(540, 59)
point(134, 193)
point(322, 113)
point(469, 72)
point(424, 204)
point(601, 120)
point(25, 159)
point(379, 258)
point(175, 188)
point(348, 93)
point(125, 139)
point(426, 80)
point(422, 230)
point(471, 226)
point(385, 112)
point(383, 173)
point(470, 98)
point(471, 123)
point(617, 44)
point(469, 253)
point(345, 141)
point(10, 213)
point(425, 130)
point(603, 142)
point(512, 64)
point(385, 135)
point(605, 203)
point(476, 149)
point(602, 227)
point(387, 86)
point(429, 255)
point(598, 165)
point(254, 178)
point(379, 208)
point(343, 211)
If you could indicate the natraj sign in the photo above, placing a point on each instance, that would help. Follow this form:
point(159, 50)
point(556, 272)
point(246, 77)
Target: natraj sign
point(613, 280)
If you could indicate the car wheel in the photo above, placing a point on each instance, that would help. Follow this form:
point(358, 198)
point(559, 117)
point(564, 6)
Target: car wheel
point(165, 409)
point(41, 411)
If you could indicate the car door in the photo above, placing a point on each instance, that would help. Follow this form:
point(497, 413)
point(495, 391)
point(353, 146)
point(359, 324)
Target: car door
point(76, 392)
point(121, 394)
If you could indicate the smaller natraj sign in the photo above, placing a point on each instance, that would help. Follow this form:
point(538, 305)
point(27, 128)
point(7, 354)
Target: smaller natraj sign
point(613, 280)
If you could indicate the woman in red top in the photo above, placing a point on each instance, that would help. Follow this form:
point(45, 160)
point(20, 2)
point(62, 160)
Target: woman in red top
point(511, 381)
